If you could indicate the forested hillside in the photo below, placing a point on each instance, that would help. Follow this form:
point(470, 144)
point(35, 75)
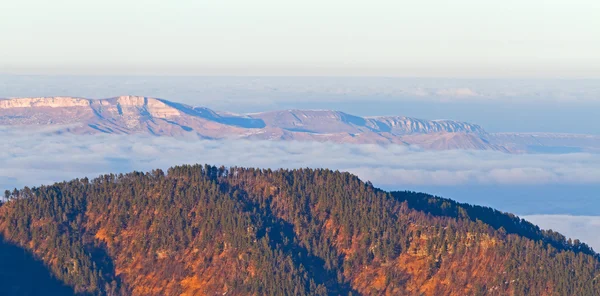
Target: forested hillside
point(203, 230)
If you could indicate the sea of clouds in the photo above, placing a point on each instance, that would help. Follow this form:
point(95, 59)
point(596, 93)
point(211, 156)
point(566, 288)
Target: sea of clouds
point(29, 158)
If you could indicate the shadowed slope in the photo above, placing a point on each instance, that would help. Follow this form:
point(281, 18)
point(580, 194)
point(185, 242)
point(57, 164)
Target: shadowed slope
point(23, 275)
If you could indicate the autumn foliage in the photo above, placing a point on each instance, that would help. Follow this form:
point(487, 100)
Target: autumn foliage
point(203, 230)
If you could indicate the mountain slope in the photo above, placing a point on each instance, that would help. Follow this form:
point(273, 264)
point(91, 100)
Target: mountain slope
point(131, 114)
point(200, 230)
point(122, 115)
point(21, 274)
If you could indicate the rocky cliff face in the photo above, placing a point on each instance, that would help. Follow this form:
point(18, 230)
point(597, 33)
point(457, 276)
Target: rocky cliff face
point(154, 107)
point(406, 125)
point(136, 114)
point(52, 102)
point(320, 121)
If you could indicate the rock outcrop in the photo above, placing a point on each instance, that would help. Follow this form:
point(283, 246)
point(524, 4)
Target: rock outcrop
point(52, 102)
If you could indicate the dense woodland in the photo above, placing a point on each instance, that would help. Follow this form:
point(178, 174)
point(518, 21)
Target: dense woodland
point(203, 230)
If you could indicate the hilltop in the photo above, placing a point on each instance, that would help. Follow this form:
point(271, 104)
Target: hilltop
point(201, 230)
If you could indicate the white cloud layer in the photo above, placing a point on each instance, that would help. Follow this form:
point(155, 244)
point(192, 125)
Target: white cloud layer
point(584, 228)
point(28, 158)
point(31, 159)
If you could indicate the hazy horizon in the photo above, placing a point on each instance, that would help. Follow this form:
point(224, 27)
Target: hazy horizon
point(466, 38)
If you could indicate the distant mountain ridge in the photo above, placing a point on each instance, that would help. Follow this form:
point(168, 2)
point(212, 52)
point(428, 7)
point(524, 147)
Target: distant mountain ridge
point(145, 115)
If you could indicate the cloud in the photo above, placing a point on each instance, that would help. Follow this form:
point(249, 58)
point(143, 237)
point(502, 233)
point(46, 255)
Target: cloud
point(28, 158)
point(33, 158)
point(584, 228)
point(457, 92)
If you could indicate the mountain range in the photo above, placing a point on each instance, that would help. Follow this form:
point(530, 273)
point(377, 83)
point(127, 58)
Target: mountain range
point(145, 115)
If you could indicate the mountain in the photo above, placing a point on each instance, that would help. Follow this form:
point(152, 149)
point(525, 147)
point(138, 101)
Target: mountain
point(203, 230)
point(122, 115)
point(144, 115)
point(131, 115)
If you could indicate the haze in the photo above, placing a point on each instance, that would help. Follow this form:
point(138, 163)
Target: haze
point(465, 38)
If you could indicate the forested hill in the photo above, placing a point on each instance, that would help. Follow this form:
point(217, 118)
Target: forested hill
point(203, 230)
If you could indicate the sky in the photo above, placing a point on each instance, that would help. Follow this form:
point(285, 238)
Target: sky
point(462, 38)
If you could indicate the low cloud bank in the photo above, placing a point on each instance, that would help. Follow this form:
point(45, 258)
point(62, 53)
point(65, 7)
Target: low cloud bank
point(28, 158)
point(584, 228)
point(34, 158)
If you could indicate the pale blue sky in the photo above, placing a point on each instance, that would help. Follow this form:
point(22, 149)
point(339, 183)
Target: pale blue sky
point(461, 38)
